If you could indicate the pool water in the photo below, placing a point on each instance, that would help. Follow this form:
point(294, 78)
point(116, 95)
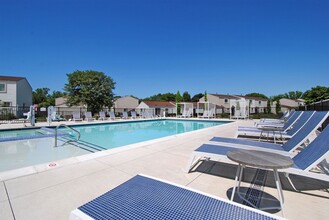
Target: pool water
point(5, 135)
point(27, 147)
point(120, 134)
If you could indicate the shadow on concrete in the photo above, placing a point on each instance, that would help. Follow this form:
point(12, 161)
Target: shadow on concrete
point(259, 199)
point(225, 170)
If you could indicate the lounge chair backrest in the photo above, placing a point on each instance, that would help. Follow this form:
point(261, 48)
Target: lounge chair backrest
point(76, 115)
point(292, 119)
point(205, 113)
point(310, 126)
point(102, 114)
point(300, 122)
point(125, 114)
point(133, 114)
point(112, 115)
point(315, 152)
point(285, 115)
point(88, 115)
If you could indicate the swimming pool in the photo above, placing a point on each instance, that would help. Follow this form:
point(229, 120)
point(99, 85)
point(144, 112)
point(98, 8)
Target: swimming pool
point(27, 147)
point(114, 135)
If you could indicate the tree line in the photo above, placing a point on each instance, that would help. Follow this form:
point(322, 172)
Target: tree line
point(95, 90)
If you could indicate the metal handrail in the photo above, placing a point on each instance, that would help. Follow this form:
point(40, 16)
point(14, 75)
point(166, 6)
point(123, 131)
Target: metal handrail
point(64, 125)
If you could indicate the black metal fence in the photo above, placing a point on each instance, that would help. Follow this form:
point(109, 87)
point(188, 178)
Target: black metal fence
point(12, 112)
point(322, 105)
point(317, 106)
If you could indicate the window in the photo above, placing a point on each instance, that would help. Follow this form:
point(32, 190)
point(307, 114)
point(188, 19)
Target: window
point(6, 104)
point(2, 87)
point(259, 102)
point(226, 100)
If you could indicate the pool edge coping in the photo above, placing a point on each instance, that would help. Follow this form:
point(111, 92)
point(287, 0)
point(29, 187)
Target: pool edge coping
point(39, 168)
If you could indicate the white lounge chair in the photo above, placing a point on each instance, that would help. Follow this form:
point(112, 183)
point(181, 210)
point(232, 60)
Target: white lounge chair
point(275, 131)
point(124, 115)
point(300, 138)
point(187, 113)
point(205, 114)
point(102, 116)
point(88, 116)
point(133, 115)
point(76, 116)
point(56, 117)
point(283, 119)
point(144, 197)
point(112, 115)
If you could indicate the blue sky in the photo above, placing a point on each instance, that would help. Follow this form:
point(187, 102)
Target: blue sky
point(160, 46)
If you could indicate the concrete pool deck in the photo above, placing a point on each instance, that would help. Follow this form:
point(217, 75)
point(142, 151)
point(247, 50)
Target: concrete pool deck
point(53, 193)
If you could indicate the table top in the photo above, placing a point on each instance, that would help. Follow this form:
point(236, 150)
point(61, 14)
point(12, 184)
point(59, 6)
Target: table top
point(260, 159)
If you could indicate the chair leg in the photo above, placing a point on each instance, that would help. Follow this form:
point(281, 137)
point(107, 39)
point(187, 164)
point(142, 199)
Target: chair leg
point(191, 163)
point(291, 183)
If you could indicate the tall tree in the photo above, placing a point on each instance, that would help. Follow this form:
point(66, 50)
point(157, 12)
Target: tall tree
point(269, 109)
point(197, 97)
point(186, 97)
point(205, 96)
point(178, 100)
point(278, 106)
point(169, 97)
point(39, 96)
point(206, 100)
point(293, 95)
point(255, 94)
point(56, 94)
point(90, 87)
point(316, 94)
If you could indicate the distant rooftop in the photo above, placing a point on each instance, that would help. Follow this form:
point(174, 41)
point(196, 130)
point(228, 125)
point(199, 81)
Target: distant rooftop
point(11, 78)
point(159, 104)
point(222, 96)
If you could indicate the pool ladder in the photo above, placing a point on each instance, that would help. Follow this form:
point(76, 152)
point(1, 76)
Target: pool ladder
point(68, 141)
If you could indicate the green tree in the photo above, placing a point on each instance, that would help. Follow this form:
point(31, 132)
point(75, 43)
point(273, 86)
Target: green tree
point(42, 97)
point(197, 97)
point(316, 94)
point(276, 97)
point(39, 96)
point(269, 109)
point(205, 100)
point(293, 95)
point(255, 94)
point(90, 87)
point(168, 97)
point(278, 106)
point(186, 97)
point(178, 100)
point(51, 98)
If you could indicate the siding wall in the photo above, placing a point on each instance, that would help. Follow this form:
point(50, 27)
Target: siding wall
point(10, 94)
point(24, 93)
point(126, 102)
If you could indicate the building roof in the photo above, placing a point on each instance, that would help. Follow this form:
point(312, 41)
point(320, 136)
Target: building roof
point(254, 98)
point(154, 104)
point(15, 79)
point(222, 96)
point(11, 78)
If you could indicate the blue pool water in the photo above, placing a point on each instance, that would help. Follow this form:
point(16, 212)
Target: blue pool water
point(27, 147)
point(119, 134)
point(12, 134)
